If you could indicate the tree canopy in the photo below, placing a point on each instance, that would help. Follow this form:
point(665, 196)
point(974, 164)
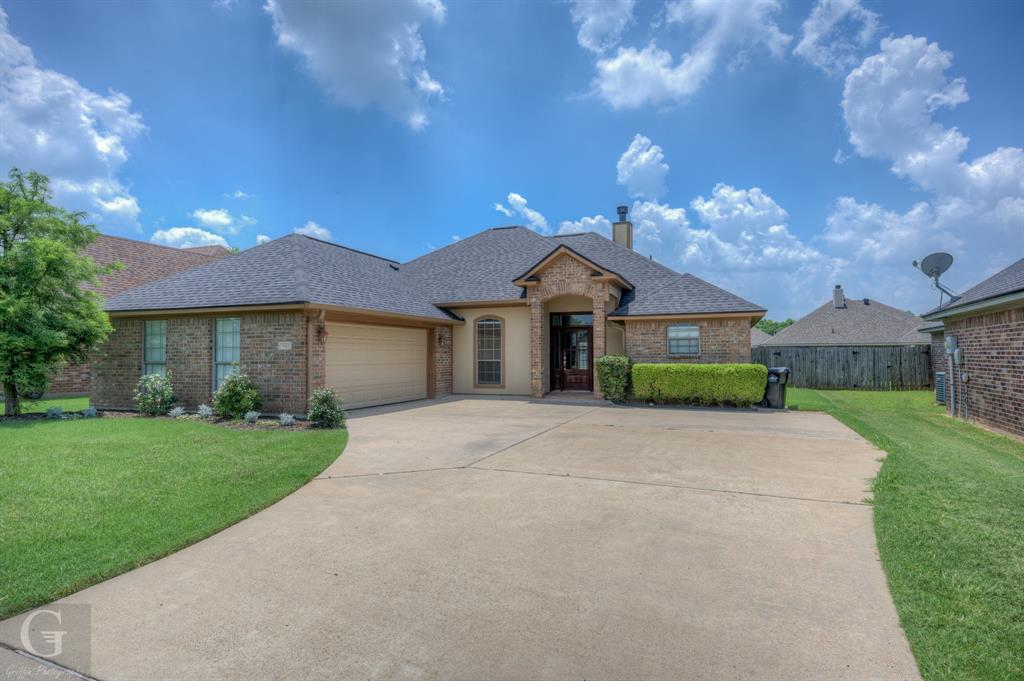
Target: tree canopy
point(48, 315)
point(772, 327)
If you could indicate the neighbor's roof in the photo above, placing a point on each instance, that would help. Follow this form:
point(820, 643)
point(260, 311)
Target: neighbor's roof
point(757, 336)
point(300, 269)
point(142, 262)
point(859, 323)
point(216, 250)
point(1002, 283)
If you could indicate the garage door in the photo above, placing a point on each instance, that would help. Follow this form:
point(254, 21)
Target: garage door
point(370, 365)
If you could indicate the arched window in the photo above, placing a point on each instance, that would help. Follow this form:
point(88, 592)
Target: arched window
point(489, 352)
point(684, 339)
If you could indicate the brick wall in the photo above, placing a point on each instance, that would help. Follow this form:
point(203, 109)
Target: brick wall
point(722, 340)
point(993, 351)
point(70, 380)
point(442, 361)
point(938, 353)
point(280, 374)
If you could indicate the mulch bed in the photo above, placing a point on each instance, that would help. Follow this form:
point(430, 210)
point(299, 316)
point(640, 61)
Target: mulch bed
point(261, 424)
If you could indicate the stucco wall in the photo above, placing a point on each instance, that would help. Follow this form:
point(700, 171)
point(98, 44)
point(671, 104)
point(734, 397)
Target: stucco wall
point(517, 350)
point(615, 343)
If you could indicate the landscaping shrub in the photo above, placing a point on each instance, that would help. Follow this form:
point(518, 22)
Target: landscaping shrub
point(613, 376)
point(325, 409)
point(706, 384)
point(176, 413)
point(56, 413)
point(286, 420)
point(90, 413)
point(205, 411)
point(252, 416)
point(236, 395)
point(154, 394)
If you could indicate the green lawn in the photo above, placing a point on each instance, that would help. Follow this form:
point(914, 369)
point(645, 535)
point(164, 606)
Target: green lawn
point(949, 517)
point(84, 500)
point(40, 406)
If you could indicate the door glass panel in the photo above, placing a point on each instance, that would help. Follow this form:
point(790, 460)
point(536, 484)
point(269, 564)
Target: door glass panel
point(578, 320)
point(581, 345)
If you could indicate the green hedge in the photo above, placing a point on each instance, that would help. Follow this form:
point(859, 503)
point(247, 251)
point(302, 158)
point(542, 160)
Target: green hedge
point(707, 384)
point(613, 377)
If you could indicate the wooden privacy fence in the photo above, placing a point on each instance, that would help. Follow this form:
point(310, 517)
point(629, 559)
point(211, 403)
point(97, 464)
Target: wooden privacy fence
point(881, 367)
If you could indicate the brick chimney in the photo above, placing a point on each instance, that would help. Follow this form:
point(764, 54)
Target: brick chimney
point(838, 297)
point(622, 231)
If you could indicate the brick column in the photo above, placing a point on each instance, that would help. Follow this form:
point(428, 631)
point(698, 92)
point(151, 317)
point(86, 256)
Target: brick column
point(536, 344)
point(599, 330)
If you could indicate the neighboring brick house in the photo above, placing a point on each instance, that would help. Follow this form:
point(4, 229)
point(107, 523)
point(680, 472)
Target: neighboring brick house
point(504, 312)
point(987, 324)
point(142, 263)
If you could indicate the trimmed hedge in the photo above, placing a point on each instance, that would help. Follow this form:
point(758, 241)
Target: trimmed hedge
point(705, 384)
point(613, 376)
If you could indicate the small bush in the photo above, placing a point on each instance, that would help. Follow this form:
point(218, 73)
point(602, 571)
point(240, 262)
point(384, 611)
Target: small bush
point(236, 396)
point(205, 411)
point(176, 413)
point(286, 420)
point(154, 394)
point(325, 409)
point(705, 384)
point(90, 413)
point(56, 413)
point(613, 377)
point(252, 416)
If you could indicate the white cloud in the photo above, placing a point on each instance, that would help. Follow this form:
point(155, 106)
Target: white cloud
point(598, 223)
point(262, 239)
point(601, 22)
point(221, 220)
point(187, 237)
point(517, 206)
point(314, 230)
point(239, 194)
point(364, 53)
point(53, 124)
point(835, 33)
point(633, 78)
point(642, 169)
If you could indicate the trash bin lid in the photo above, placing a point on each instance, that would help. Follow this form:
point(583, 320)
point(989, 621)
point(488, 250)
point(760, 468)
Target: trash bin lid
point(778, 370)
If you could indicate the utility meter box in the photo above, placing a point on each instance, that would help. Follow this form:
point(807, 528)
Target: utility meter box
point(951, 345)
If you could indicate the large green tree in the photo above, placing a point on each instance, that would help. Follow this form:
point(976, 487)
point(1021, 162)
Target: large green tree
point(48, 316)
point(772, 327)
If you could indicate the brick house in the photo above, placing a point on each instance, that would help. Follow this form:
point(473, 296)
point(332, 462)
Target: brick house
point(504, 312)
point(987, 324)
point(141, 263)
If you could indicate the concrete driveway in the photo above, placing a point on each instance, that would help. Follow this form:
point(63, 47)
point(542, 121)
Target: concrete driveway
point(504, 539)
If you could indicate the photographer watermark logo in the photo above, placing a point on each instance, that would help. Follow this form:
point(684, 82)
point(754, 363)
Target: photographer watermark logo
point(60, 633)
point(53, 637)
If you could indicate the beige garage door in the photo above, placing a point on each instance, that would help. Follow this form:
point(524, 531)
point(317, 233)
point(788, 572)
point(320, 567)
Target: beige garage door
point(370, 365)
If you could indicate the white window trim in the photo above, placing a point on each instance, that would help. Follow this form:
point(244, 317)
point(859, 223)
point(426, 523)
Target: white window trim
point(668, 340)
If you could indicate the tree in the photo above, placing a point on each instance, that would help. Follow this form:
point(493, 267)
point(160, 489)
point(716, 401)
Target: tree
point(47, 316)
point(771, 327)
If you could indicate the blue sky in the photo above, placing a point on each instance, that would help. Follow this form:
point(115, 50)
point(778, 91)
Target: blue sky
point(772, 148)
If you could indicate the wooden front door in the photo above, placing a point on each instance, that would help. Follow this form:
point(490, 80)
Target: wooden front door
point(572, 353)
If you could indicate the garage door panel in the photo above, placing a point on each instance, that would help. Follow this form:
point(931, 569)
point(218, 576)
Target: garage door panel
point(370, 365)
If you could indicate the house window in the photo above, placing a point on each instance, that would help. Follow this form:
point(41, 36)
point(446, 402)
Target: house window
point(488, 352)
point(684, 339)
point(154, 354)
point(227, 350)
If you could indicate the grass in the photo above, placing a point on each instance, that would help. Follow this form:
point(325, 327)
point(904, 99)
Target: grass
point(84, 500)
point(40, 406)
point(949, 518)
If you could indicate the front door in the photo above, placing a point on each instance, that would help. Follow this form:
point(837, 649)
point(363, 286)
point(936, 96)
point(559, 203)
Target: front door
point(572, 353)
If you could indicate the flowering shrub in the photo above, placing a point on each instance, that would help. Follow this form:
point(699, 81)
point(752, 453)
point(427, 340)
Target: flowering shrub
point(205, 411)
point(236, 396)
point(325, 409)
point(286, 420)
point(154, 394)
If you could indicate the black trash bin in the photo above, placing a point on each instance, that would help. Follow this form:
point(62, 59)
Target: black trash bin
point(775, 391)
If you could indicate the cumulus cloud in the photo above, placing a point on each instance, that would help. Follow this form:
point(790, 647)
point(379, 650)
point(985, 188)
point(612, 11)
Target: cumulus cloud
point(364, 53)
point(835, 33)
point(314, 230)
point(598, 223)
point(517, 206)
point(650, 76)
point(262, 239)
point(187, 237)
point(642, 169)
point(78, 137)
point(601, 22)
point(239, 194)
point(221, 220)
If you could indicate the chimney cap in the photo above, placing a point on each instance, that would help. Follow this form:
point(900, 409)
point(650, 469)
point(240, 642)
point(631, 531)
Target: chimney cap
point(622, 211)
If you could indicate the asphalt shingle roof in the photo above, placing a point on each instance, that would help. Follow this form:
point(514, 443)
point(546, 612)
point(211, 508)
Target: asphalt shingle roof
point(859, 323)
point(482, 267)
point(141, 262)
point(758, 337)
point(1001, 283)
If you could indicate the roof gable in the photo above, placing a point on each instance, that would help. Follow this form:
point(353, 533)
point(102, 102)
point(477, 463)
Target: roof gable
point(860, 322)
point(528, 277)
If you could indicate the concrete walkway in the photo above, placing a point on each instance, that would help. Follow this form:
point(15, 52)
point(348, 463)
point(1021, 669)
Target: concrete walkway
point(496, 539)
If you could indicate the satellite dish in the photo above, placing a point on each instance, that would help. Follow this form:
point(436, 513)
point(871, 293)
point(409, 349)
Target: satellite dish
point(934, 266)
